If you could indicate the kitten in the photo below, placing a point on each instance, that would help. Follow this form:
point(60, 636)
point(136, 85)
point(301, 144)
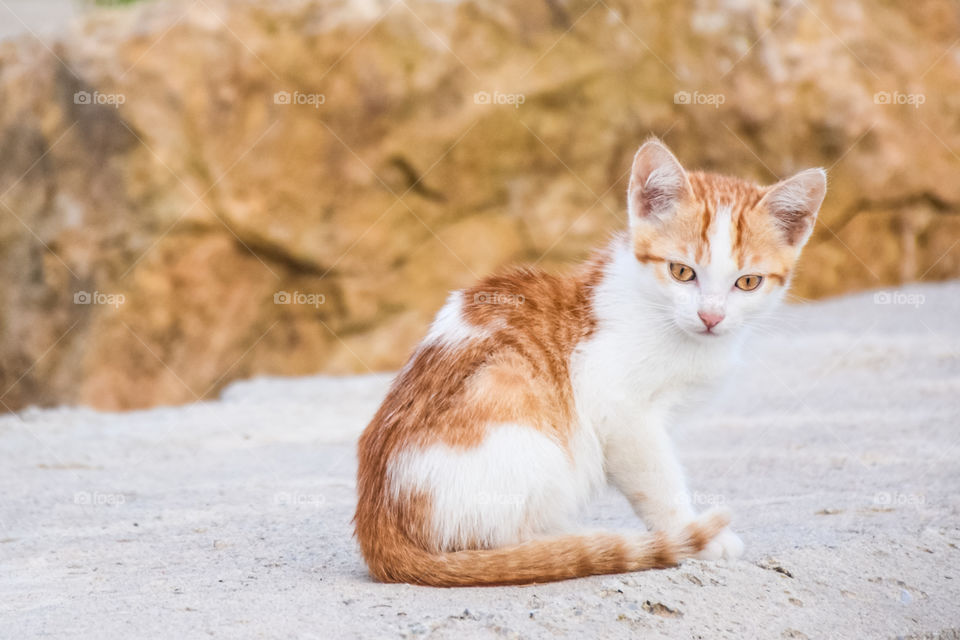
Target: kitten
point(531, 390)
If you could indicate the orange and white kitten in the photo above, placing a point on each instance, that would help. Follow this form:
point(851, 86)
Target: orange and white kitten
point(531, 390)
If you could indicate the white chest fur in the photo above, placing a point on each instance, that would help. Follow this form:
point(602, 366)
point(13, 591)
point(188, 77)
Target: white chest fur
point(636, 365)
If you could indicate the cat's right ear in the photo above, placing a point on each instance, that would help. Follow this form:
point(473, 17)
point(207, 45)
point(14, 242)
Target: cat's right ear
point(657, 183)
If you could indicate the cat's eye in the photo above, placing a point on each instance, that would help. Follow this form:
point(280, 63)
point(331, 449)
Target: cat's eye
point(682, 272)
point(748, 283)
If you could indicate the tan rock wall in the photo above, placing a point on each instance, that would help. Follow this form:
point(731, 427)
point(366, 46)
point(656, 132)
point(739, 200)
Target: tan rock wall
point(424, 144)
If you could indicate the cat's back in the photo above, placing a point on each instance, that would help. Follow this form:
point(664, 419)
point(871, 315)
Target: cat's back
point(521, 309)
point(496, 352)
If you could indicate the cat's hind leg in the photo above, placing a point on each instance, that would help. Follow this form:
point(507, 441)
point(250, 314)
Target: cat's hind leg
point(515, 484)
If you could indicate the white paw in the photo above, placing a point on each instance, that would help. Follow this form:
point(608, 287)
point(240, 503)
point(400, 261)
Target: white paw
point(727, 544)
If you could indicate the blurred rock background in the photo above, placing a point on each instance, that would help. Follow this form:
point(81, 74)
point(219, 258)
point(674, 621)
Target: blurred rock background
point(193, 192)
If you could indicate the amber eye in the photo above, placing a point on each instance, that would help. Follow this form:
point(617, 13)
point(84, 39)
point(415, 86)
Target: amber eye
point(682, 272)
point(748, 283)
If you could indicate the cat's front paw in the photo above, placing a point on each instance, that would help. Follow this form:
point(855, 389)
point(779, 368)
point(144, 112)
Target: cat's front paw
point(726, 544)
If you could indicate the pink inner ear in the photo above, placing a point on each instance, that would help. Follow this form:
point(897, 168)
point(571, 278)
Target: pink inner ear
point(662, 190)
point(793, 222)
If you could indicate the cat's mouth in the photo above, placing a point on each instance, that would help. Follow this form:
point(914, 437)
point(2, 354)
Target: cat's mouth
point(709, 334)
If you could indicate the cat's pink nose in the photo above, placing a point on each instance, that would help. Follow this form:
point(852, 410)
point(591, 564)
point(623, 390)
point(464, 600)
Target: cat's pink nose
point(710, 319)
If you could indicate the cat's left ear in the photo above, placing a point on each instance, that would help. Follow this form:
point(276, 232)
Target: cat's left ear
point(794, 204)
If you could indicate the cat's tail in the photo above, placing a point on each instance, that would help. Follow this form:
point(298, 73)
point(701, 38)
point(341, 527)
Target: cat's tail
point(393, 557)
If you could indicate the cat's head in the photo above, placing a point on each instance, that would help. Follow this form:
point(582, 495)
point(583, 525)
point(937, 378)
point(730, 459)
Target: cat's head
point(720, 250)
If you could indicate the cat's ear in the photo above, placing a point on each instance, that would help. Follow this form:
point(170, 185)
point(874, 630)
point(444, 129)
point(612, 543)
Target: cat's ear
point(657, 183)
point(794, 204)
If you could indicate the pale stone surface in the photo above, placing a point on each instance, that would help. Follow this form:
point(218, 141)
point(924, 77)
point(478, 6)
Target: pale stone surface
point(37, 17)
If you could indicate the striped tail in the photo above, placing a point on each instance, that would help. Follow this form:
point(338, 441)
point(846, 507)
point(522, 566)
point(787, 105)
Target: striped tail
point(393, 557)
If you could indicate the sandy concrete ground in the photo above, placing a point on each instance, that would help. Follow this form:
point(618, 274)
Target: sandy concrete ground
point(836, 446)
